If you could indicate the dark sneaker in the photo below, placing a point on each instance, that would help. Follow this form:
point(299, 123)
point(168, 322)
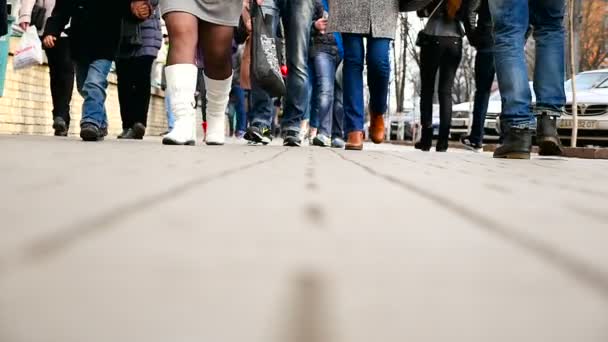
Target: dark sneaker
point(547, 138)
point(338, 143)
point(321, 141)
point(517, 144)
point(258, 135)
point(139, 130)
point(123, 135)
point(469, 145)
point(292, 138)
point(90, 132)
point(60, 127)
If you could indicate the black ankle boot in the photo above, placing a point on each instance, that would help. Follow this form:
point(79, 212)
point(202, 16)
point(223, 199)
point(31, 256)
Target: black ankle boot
point(516, 145)
point(442, 145)
point(547, 138)
point(426, 141)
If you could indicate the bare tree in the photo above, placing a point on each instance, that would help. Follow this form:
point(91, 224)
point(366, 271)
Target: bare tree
point(400, 61)
point(464, 81)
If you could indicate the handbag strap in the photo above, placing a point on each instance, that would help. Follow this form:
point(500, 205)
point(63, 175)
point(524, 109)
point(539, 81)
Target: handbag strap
point(436, 8)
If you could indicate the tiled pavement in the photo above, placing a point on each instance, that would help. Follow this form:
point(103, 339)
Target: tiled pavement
point(134, 241)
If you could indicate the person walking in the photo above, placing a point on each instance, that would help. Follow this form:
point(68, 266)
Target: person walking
point(208, 25)
point(61, 66)
point(297, 18)
point(440, 52)
point(95, 31)
point(519, 120)
point(140, 44)
point(478, 27)
point(375, 20)
point(326, 54)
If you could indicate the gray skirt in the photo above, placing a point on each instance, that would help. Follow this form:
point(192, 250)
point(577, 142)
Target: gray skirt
point(220, 12)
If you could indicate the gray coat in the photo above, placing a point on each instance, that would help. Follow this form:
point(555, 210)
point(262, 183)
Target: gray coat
point(358, 16)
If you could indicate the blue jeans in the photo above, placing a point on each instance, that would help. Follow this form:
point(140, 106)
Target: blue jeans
point(170, 116)
point(484, 77)
point(511, 21)
point(377, 78)
point(92, 82)
point(297, 18)
point(337, 127)
point(238, 96)
point(324, 69)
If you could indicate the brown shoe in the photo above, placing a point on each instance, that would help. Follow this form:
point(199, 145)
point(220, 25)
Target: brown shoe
point(354, 141)
point(376, 128)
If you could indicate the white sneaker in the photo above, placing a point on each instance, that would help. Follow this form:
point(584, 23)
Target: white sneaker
point(181, 85)
point(218, 95)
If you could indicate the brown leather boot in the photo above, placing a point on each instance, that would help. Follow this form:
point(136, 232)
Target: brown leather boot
point(376, 128)
point(354, 141)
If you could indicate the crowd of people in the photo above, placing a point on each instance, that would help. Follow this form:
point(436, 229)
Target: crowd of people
point(327, 45)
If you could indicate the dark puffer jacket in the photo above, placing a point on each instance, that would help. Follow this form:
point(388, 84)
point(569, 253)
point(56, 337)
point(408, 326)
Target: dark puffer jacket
point(95, 27)
point(141, 38)
point(322, 42)
point(478, 24)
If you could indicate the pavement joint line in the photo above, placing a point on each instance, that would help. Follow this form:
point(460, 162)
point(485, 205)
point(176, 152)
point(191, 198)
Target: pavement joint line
point(584, 273)
point(54, 243)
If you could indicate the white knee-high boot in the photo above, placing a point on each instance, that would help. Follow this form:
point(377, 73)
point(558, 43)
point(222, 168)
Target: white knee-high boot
point(181, 85)
point(218, 95)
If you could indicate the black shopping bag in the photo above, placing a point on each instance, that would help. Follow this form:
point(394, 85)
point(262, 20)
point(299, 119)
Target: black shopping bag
point(265, 69)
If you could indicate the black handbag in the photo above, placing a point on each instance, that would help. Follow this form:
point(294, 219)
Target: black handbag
point(423, 37)
point(265, 69)
point(412, 5)
point(37, 17)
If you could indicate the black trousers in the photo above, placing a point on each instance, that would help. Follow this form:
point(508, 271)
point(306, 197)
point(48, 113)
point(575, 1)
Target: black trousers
point(61, 71)
point(443, 55)
point(134, 81)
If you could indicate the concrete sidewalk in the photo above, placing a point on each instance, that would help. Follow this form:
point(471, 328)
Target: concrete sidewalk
point(134, 241)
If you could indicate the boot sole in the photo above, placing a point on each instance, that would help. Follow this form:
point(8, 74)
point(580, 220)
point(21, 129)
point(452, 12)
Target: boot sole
point(291, 143)
point(171, 142)
point(549, 147)
point(87, 135)
point(513, 155)
point(353, 147)
point(211, 143)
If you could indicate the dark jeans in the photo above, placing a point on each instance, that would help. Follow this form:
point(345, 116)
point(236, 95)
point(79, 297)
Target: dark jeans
point(484, 77)
point(511, 21)
point(134, 81)
point(297, 18)
point(378, 72)
point(238, 97)
point(61, 71)
point(324, 69)
point(443, 55)
point(337, 127)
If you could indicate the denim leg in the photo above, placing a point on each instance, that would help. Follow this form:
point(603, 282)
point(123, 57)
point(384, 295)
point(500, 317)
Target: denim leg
point(297, 18)
point(337, 127)
point(547, 17)
point(239, 106)
point(325, 76)
point(353, 82)
point(378, 73)
point(170, 116)
point(92, 80)
point(484, 76)
point(511, 18)
point(309, 112)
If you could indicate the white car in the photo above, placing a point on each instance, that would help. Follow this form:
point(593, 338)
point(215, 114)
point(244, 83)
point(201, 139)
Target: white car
point(592, 116)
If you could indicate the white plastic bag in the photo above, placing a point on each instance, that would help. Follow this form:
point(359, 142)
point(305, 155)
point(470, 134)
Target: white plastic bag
point(30, 50)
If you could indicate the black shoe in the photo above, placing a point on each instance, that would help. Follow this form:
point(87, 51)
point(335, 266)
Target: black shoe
point(517, 144)
point(258, 135)
point(442, 146)
point(426, 141)
point(60, 127)
point(292, 138)
point(468, 144)
point(547, 137)
point(90, 132)
point(139, 130)
point(124, 133)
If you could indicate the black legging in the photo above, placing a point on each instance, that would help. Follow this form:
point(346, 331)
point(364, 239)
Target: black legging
point(134, 78)
point(441, 54)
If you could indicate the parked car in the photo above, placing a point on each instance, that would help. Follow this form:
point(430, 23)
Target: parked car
point(406, 126)
point(592, 116)
point(461, 120)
